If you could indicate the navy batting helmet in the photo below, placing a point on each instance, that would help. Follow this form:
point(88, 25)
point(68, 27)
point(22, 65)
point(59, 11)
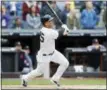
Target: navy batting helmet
point(46, 18)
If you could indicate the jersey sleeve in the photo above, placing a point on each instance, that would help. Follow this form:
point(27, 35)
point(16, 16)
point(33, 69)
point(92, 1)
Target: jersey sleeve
point(54, 34)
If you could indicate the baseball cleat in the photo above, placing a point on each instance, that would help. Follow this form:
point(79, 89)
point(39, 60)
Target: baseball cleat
point(56, 83)
point(24, 83)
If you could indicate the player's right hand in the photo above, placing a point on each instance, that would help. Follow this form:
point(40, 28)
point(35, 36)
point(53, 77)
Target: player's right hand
point(65, 27)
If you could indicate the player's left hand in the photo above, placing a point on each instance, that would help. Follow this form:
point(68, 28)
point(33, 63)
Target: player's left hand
point(65, 33)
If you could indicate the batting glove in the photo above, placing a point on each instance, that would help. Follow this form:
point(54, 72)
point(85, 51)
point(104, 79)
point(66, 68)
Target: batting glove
point(65, 27)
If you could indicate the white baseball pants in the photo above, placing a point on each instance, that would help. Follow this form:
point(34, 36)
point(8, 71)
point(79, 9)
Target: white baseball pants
point(57, 57)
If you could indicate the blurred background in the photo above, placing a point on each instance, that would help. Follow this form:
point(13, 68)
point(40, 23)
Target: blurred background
point(84, 47)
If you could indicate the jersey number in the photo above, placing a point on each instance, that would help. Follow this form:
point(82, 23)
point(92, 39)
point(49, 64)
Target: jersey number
point(41, 37)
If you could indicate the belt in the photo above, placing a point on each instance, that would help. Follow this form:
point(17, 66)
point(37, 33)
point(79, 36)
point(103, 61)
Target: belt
point(48, 54)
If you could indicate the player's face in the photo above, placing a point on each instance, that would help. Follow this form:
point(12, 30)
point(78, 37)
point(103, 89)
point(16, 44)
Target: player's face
point(51, 24)
point(96, 43)
point(18, 48)
point(27, 51)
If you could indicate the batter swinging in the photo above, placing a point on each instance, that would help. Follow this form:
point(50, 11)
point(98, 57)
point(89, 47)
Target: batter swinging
point(48, 53)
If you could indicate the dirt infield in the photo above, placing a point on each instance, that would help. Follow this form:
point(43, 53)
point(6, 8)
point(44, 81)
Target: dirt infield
point(54, 87)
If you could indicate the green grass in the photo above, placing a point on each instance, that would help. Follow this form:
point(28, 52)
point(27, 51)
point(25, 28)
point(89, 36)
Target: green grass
point(68, 81)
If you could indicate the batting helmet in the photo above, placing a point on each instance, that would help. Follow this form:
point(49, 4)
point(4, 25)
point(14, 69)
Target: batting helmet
point(46, 18)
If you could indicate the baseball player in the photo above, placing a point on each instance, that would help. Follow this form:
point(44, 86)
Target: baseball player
point(48, 53)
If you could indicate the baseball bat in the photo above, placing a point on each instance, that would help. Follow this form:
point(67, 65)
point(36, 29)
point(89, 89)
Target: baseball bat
point(54, 13)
